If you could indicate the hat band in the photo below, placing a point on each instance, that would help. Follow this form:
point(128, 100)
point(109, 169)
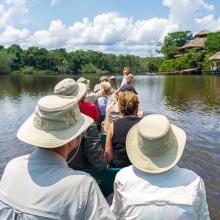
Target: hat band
point(73, 91)
point(57, 120)
point(158, 146)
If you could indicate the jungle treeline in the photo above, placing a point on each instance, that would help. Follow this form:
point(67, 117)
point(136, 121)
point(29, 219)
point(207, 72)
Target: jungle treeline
point(34, 60)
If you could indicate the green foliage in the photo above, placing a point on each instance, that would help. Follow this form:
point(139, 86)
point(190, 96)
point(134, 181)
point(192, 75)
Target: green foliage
point(173, 41)
point(28, 70)
point(152, 64)
point(192, 59)
point(90, 68)
point(212, 46)
point(5, 63)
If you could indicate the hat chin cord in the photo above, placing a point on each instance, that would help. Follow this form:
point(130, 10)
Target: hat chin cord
point(77, 149)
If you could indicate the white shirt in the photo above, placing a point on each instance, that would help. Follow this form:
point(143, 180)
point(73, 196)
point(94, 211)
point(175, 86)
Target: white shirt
point(176, 194)
point(41, 186)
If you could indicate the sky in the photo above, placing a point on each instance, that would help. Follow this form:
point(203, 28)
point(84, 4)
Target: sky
point(111, 26)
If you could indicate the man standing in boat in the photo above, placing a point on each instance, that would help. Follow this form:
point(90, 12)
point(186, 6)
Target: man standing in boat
point(41, 185)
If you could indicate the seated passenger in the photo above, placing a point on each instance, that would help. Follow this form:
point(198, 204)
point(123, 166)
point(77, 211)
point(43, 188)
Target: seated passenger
point(97, 87)
point(154, 187)
point(112, 108)
point(90, 154)
point(40, 185)
point(90, 96)
point(115, 151)
point(103, 99)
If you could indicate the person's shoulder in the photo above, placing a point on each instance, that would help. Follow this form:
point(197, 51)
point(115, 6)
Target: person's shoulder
point(124, 174)
point(186, 176)
point(18, 160)
point(76, 176)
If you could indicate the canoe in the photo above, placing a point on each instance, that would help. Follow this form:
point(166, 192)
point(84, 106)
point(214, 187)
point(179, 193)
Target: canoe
point(104, 178)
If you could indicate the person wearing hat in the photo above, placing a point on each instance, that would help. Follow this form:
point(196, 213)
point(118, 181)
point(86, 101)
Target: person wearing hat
point(90, 153)
point(97, 87)
point(70, 87)
point(84, 81)
point(40, 185)
point(154, 187)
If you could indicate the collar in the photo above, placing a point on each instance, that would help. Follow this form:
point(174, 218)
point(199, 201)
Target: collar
point(48, 156)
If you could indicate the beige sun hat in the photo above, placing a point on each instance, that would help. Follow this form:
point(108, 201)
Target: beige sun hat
point(69, 87)
point(85, 81)
point(56, 121)
point(154, 145)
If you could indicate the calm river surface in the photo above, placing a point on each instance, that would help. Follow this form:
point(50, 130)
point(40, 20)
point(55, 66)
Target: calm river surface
point(190, 102)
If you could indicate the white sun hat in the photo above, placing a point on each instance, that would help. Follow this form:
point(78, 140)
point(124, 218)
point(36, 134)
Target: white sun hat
point(69, 87)
point(56, 121)
point(154, 145)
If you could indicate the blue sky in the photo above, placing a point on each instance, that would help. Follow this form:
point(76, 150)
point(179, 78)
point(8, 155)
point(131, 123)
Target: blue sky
point(113, 26)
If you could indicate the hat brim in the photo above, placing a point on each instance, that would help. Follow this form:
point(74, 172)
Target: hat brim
point(29, 134)
point(155, 164)
point(82, 91)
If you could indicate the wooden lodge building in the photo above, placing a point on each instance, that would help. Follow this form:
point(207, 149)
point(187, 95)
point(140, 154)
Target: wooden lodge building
point(198, 43)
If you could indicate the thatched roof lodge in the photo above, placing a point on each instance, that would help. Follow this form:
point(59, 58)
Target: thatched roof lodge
point(198, 42)
point(202, 33)
point(215, 56)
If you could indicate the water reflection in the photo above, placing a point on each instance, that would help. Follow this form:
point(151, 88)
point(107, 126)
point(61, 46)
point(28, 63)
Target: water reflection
point(186, 93)
point(191, 102)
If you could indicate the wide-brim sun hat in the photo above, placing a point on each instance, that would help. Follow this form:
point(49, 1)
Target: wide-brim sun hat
point(154, 145)
point(69, 87)
point(84, 81)
point(56, 121)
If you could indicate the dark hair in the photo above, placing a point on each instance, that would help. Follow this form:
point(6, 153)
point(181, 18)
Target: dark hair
point(128, 103)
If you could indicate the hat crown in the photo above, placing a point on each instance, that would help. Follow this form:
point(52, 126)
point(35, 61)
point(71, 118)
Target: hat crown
point(154, 135)
point(67, 87)
point(55, 113)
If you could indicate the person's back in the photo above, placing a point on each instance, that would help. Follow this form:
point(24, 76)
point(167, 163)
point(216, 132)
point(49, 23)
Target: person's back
point(121, 128)
point(89, 109)
point(35, 185)
point(90, 154)
point(41, 185)
point(176, 194)
point(154, 187)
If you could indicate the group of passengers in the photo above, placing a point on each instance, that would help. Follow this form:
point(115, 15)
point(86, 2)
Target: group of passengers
point(48, 183)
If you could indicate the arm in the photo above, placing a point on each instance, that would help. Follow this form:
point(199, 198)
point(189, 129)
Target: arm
point(93, 149)
point(108, 144)
point(116, 206)
point(203, 207)
point(97, 115)
point(96, 206)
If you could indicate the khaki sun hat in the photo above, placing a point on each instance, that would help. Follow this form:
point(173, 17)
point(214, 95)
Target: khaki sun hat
point(84, 81)
point(154, 145)
point(69, 87)
point(56, 121)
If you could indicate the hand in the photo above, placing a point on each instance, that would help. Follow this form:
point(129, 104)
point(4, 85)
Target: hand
point(126, 70)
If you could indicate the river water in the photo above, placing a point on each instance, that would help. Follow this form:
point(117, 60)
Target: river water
point(190, 102)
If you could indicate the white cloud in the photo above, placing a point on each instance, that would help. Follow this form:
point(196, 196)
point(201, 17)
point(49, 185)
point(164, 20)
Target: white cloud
point(11, 12)
point(109, 32)
point(54, 2)
point(12, 35)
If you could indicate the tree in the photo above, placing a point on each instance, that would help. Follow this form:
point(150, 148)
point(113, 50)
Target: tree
point(5, 63)
point(90, 68)
point(212, 46)
point(173, 41)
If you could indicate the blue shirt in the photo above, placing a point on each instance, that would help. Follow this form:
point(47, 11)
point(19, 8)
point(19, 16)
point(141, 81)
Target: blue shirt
point(102, 103)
